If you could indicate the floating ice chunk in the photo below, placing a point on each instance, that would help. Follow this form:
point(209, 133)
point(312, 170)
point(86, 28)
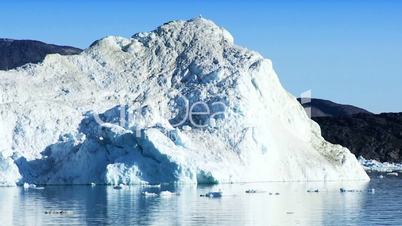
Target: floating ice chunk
point(39, 188)
point(28, 186)
point(119, 186)
point(342, 190)
point(253, 191)
point(215, 194)
point(167, 194)
point(393, 174)
point(149, 194)
point(59, 212)
point(151, 185)
point(376, 166)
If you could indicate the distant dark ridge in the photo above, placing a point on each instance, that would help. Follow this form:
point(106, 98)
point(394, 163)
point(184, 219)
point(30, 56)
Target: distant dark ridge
point(15, 53)
point(326, 108)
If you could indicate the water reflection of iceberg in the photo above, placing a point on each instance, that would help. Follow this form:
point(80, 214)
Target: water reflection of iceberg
point(7, 199)
point(105, 205)
point(292, 206)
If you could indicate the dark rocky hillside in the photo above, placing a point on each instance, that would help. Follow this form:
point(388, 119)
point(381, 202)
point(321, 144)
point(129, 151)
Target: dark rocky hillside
point(15, 53)
point(372, 136)
point(326, 108)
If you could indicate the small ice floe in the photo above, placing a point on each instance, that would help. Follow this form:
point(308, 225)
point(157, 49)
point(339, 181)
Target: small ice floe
point(119, 186)
point(58, 212)
point(93, 184)
point(26, 186)
point(149, 194)
point(381, 176)
point(39, 188)
point(151, 185)
point(252, 191)
point(32, 186)
point(313, 190)
point(167, 194)
point(382, 167)
point(350, 190)
point(393, 174)
point(372, 191)
point(216, 194)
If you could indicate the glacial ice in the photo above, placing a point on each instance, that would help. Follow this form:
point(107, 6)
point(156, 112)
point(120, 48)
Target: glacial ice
point(121, 113)
point(376, 166)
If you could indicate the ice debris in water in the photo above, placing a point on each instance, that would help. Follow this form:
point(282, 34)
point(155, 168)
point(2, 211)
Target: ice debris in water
point(119, 186)
point(253, 191)
point(214, 194)
point(376, 166)
point(149, 194)
point(349, 190)
point(32, 186)
point(167, 194)
point(393, 174)
point(27, 186)
point(59, 212)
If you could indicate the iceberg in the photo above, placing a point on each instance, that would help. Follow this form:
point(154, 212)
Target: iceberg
point(180, 104)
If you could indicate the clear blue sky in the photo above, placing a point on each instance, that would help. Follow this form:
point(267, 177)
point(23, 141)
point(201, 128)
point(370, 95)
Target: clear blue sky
point(345, 51)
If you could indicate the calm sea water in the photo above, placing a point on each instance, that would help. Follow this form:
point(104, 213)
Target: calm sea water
point(102, 205)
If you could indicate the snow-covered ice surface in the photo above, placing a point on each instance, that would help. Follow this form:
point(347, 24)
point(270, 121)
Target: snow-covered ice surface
point(118, 113)
point(376, 166)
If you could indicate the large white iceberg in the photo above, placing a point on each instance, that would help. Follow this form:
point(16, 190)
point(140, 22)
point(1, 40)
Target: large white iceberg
point(181, 104)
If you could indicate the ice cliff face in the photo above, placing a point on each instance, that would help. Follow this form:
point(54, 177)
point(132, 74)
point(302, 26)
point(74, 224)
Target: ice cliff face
point(179, 104)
